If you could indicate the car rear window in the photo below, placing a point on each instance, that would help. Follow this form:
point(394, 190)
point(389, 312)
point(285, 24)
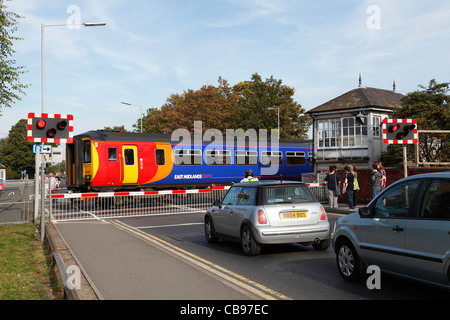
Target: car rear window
point(287, 194)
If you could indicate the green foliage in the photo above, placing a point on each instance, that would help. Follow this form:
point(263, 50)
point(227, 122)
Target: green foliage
point(430, 107)
point(247, 105)
point(17, 153)
point(9, 72)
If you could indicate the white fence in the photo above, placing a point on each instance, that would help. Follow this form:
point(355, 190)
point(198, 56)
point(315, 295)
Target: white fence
point(81, 206)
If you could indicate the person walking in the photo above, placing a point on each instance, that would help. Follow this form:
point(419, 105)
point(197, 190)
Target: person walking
point(383, 174)
point(375, 181)
point(349, 186)
point(334, 189)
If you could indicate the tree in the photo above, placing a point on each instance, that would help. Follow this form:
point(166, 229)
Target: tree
point(17, 153)
point(243, 106)
point(214, 106)
point(430, 107)
point(9, 72)
point(116, 128)
point(258, 107)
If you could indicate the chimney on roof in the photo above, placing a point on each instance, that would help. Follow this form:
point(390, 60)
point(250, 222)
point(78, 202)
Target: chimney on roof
point(360, 83)
point(393, 86)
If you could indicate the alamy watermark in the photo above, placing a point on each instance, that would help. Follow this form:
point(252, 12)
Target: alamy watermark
point(373, 22)
point(220, 149)
point(74, 19)
point(374, 280)
point(73, 277)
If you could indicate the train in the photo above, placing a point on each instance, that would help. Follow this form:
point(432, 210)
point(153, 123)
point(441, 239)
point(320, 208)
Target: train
point(101, 160)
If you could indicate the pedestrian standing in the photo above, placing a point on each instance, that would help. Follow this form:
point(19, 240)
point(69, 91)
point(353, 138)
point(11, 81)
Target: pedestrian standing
point(355, 185)
point(334, 189)
point(375, 181)
point(52, 181)
point(383, 174)
point(349, 186)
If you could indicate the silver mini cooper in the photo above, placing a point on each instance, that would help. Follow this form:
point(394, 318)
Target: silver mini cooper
point(268, 212)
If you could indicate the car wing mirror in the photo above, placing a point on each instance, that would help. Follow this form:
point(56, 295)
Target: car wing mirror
point(217, 203)
point(364, 212)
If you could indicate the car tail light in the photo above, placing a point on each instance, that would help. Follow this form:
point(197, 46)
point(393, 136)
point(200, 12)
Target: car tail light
point(323, 214)
point(261, 217)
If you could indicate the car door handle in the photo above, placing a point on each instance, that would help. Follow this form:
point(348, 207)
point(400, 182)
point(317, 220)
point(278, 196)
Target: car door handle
point(397, 228)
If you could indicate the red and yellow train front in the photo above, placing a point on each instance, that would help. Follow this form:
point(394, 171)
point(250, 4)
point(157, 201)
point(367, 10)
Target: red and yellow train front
point(111, 165)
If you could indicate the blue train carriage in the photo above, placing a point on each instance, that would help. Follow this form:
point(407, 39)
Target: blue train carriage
point(222, 164)
point(112, 161)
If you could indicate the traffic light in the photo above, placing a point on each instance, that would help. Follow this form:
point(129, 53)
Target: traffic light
point(52, 128)
point(400, 131)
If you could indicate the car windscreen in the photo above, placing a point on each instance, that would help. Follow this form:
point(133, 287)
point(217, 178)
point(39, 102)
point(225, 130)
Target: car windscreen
point(287, 194)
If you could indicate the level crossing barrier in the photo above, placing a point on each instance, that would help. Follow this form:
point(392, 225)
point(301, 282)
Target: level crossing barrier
point(82, 206)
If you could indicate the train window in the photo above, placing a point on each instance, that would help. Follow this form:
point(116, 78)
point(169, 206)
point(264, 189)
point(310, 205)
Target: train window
point(112, 154)
point(218, 157)
point(160, 157)
point(271, 157)
point(187, 157)
point(295, 158)
point(87, 151)
point(243, 157)
point(128, 155)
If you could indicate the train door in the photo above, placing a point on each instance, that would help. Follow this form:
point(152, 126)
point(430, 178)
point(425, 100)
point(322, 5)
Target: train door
point(130, 164)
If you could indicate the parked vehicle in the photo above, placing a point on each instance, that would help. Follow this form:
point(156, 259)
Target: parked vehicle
point(405, 231)
point(268, 212)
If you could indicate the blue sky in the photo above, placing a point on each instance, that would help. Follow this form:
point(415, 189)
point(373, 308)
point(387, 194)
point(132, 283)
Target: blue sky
point(151, 49)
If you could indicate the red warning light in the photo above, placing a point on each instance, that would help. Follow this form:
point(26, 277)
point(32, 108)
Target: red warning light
point(41, 124)
point(394, 128)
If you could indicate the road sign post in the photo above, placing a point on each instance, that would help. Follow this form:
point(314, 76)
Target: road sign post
point(400, 131)
point(46, 128)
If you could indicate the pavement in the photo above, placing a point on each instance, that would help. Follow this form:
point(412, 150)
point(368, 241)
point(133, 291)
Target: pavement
point(115, 264)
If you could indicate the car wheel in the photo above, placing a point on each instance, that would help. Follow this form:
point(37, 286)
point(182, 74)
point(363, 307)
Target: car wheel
point(348, 261)
point(322, 245)
point(249, 245)
point(210, 234)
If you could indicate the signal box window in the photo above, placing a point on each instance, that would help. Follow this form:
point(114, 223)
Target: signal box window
point(188, 157)
point(295, 158)
point(112, 154)
point(129, 157)
point(160, 158)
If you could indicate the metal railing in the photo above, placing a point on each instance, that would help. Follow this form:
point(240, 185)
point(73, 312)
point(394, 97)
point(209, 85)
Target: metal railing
point(81, 206)
point(15, 204)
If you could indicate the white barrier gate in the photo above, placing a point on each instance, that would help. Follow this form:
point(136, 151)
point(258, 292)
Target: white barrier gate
point(82, 206)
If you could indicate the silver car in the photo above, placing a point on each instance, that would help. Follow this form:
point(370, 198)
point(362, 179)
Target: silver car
point(269, 212)
point(405, 231)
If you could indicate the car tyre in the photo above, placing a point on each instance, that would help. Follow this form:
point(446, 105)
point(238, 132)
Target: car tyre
point(248, 243)
point(348, 262)
point(210, 233)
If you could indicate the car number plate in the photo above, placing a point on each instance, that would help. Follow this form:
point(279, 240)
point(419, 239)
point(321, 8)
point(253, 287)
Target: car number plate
point(293, 215)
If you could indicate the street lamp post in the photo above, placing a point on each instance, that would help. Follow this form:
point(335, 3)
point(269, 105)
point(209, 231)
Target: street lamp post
point(43, 26)
point(38, 159)
point(137, 105)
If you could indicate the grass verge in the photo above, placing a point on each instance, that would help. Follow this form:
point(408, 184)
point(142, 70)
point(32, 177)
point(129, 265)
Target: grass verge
point(27, 270)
